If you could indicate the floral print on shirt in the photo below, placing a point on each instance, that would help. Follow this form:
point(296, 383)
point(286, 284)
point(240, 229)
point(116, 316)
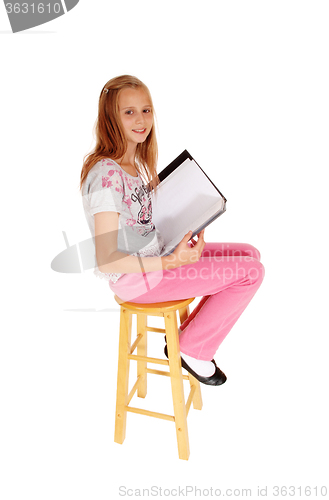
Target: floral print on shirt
point(133, 191)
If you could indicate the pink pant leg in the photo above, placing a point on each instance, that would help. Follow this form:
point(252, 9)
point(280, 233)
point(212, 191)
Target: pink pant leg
point(230, 249)
point(220, 250)
point(216, 315)
point(227, 283)
point(212, 309)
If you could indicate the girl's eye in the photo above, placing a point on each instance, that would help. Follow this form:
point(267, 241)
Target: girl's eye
point(130, 111)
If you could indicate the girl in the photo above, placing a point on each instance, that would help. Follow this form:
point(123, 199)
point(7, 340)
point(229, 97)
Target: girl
point(118, 209)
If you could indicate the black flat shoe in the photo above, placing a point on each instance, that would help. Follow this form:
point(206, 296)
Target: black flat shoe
point(218, 378)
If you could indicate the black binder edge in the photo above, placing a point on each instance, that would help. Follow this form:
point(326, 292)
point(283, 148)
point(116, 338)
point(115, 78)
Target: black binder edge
point(174, 164)
point(177, 162)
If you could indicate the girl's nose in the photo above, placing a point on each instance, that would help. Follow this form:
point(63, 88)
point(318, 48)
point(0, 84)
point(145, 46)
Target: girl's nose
point(139, 118)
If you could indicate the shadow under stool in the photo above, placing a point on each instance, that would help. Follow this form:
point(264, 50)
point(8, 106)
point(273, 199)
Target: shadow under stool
point(167, 310)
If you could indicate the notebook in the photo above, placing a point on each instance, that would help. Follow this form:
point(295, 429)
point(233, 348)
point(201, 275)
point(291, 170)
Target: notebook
point(186, 199)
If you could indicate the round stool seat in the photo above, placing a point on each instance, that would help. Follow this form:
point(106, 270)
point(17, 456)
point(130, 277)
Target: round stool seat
point(155, 306)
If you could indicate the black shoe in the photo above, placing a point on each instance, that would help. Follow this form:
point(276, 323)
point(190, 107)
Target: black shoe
point(218, 378)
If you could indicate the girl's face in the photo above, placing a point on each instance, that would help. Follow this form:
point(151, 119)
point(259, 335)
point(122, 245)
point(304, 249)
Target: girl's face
point(136, 114)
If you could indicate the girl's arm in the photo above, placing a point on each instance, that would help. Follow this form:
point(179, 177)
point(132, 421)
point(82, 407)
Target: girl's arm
point(110, 260)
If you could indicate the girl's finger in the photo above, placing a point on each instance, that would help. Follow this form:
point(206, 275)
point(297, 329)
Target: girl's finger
point(201, 236)
point(187, 236)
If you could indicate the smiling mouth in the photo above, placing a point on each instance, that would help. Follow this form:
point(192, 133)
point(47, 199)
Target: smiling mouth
point(141, 131)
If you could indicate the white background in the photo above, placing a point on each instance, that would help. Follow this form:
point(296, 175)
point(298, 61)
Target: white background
point(243, 85)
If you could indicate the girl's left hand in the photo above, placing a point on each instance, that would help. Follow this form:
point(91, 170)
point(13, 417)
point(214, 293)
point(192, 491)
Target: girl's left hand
point(193, 242)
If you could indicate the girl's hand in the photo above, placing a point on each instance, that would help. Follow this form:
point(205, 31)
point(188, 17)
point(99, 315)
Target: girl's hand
point(192, 242)
point(185, 254)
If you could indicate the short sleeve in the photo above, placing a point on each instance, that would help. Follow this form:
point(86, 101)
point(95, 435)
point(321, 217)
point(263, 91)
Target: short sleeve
point(106, 192)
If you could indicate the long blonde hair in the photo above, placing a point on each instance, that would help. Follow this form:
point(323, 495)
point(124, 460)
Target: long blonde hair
point(110, 138)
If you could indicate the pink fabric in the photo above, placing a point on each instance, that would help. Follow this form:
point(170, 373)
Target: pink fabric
point(227, 277)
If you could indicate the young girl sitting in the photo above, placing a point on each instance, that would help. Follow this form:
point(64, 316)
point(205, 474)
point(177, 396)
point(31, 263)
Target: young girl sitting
point(118, 209)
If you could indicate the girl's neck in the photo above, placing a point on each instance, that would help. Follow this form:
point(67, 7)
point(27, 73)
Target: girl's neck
point(127, 162)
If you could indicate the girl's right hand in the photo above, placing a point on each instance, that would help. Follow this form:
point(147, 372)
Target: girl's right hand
point(185, 254)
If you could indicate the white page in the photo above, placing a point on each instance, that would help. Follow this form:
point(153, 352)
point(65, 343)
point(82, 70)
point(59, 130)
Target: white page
point(186, 199)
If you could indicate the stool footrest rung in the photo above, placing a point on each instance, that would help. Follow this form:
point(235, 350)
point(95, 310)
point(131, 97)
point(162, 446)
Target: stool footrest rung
point(152, 329)
point(156, 361)
point(135, 344)
point(149, 413)
point(161, 372)
point(133, 390)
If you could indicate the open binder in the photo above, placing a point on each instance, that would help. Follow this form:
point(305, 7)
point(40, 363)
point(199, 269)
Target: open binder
point(185, 200)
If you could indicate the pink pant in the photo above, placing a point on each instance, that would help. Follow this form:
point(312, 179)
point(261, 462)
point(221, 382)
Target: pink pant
point(227, 276)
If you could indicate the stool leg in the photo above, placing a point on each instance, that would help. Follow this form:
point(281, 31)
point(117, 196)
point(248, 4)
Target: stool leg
point(123, 376)
point(142, 351)
point(184, 314)
point(197, 399)
point(177, 385)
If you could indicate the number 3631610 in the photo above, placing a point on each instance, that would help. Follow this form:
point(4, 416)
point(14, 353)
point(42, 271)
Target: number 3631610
point(32, 8)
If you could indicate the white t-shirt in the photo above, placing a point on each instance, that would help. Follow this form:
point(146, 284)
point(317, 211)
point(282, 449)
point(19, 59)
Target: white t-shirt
point(108, 188)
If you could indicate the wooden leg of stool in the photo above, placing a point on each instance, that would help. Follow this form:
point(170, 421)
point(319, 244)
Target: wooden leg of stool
point(197, 399)
point(142, 351)
point(123, 376)
point(183, 314)
point(177, 385)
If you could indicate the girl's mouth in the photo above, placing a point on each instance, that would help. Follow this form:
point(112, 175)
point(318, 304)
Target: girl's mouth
point(140, 131)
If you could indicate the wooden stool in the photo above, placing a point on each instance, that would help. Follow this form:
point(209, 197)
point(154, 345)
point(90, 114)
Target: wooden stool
point(168, 311)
